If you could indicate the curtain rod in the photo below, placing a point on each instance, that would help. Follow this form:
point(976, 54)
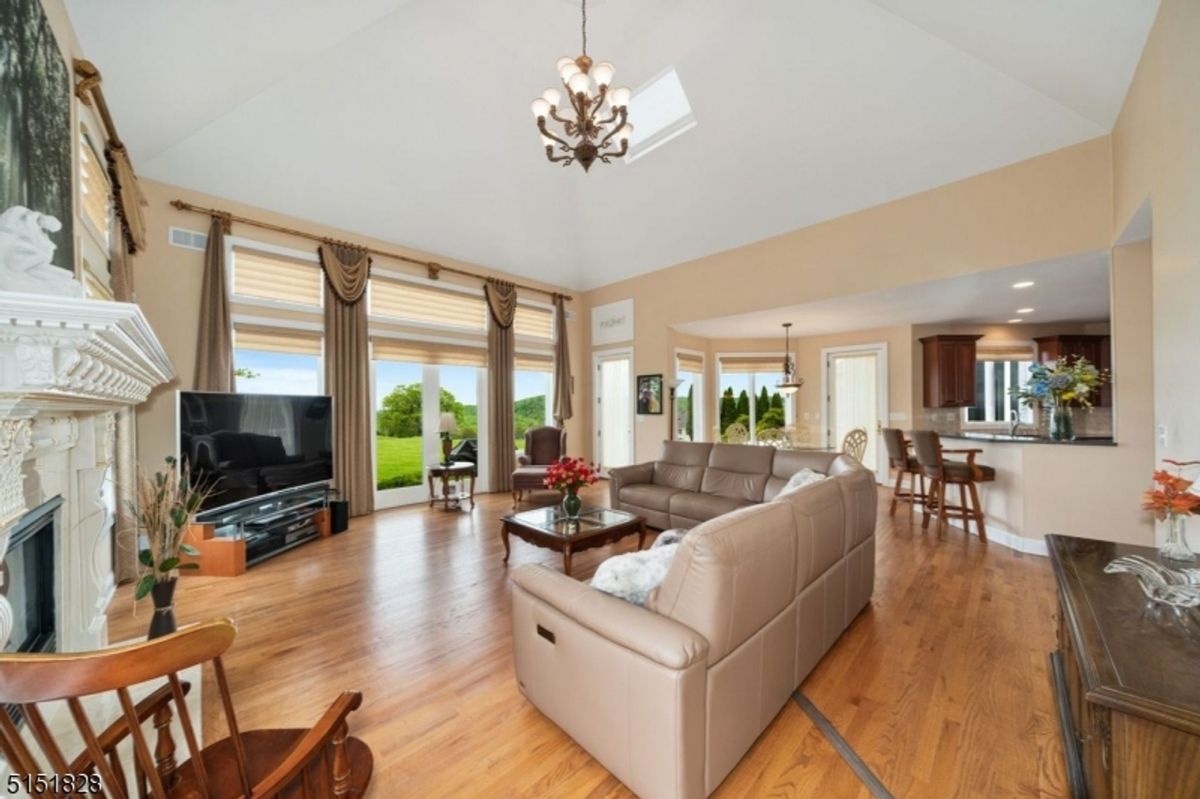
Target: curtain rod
point(432, 266)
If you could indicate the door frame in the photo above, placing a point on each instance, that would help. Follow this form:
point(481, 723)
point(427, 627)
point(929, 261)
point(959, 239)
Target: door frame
point(880, 349)
point(597, 357)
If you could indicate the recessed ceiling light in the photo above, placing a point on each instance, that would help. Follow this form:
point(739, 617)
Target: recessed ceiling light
point(1024, 284)
point(1015, 321)
point(1024, 310)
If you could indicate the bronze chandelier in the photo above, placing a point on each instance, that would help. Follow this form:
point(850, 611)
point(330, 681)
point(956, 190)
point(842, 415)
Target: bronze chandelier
point(600, 112)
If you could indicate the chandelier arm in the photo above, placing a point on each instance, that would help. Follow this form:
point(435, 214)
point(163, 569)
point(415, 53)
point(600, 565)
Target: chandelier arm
point(554, 115)
point(616, 129)
point(541, 125)
point(565, 160)
point(599, 102)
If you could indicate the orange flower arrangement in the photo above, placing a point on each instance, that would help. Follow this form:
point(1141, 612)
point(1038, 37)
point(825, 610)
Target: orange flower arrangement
point(1172, 496)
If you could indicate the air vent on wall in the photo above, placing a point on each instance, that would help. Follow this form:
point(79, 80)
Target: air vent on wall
point(188, 239)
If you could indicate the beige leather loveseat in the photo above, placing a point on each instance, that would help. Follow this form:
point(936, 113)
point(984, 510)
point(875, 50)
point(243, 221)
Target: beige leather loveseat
point(670, 696)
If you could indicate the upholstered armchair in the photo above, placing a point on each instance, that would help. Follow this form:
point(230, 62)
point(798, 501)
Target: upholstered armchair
point(543, 446)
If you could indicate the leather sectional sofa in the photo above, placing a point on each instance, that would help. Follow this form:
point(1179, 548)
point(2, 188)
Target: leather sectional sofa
point(670, 696)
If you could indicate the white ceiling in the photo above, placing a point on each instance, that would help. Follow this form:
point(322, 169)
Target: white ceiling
point(1074, 289)
point(408, 120)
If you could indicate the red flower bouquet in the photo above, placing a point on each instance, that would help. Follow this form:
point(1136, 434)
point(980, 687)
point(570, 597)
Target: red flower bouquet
point(568, 475)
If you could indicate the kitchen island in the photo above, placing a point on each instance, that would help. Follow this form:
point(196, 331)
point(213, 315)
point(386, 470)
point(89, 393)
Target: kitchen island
point(1045, 487)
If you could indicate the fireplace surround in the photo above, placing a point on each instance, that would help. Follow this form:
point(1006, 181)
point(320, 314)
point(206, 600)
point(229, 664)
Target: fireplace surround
point(71, 371)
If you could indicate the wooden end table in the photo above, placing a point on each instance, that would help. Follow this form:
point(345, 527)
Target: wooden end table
point(550, 528)
point(454, 472)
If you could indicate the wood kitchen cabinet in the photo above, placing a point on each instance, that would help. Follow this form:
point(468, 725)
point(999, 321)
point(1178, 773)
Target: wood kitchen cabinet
point(1096, 348)
point(949, 370)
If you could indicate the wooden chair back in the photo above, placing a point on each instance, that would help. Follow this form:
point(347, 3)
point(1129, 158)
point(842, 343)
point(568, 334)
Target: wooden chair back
point(855, 444)
point(736, 433)
point(29, 680)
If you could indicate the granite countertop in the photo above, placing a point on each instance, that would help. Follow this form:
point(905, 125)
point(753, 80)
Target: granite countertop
point(1006, 438)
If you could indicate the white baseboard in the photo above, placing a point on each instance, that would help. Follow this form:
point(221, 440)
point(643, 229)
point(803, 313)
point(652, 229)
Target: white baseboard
point(997, 534)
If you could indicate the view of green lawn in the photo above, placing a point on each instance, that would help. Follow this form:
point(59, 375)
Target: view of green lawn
point(399, 461)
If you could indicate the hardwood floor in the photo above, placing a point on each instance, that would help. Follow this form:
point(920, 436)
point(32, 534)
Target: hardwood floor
point(941, 685)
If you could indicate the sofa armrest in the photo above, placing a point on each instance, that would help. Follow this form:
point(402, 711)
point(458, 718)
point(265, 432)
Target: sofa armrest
point(623, 476)
point(522, 458)
point(662, 640)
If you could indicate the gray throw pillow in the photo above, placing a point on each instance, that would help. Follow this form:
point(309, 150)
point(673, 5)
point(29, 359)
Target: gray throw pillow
point(634, 575)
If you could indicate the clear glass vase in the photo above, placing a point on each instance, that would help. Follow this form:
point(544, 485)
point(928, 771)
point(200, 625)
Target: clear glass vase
point(1062, 423)
point(1176, 546)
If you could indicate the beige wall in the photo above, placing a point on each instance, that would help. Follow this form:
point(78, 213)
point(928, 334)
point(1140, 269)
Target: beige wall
point(1053, 205)
point(168, 290)
point(1156, 157)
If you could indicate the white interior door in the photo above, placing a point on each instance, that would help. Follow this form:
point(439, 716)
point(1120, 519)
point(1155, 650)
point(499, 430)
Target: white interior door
point(614, 409)
point(856, 397)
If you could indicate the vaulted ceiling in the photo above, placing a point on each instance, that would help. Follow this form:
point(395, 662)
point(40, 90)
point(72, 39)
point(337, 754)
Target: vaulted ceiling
point(408, 120)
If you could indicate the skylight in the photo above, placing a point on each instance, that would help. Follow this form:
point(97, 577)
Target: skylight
point(659, 111)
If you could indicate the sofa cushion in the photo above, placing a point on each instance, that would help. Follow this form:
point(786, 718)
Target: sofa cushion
point(529, 477)
point(686, 453)
point(819, 515)
point(648, 495)
point(702, 507)
point(734, 485)
point(742, 458)
point(731, 575)
point(788, 462)
point(672, 475)
point(633, 575)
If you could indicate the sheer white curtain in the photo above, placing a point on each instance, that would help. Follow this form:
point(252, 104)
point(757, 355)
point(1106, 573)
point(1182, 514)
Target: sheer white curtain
point(855, 400)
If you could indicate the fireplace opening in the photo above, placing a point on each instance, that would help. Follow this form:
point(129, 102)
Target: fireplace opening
point(27, 580)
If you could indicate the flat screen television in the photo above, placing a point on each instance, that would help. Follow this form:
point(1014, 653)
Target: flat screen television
point(249, 446)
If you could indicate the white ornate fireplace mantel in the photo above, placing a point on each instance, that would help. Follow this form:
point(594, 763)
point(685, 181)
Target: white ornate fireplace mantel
point(68, 367)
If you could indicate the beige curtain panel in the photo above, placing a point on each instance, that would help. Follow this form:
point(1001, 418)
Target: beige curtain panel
point(562, 364)
point(346, 270)
point(128, 196)
point(214, 340)
point(121, 270)
point(348, 372)
point(502, 303)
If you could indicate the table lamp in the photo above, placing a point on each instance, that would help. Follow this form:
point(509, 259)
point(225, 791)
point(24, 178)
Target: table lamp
point(447, 426)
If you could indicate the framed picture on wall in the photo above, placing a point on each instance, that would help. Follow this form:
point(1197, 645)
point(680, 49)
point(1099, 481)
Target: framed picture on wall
point(650, 395)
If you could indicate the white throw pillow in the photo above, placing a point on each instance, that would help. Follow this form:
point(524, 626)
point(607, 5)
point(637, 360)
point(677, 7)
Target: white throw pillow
point(799, 480)
point(634, 575)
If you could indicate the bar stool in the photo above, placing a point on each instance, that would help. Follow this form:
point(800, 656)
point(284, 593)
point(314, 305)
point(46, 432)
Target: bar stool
point(930, 457)
point(903, 463)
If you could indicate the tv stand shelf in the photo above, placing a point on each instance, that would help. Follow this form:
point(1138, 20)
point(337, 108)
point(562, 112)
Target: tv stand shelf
point(231, 540)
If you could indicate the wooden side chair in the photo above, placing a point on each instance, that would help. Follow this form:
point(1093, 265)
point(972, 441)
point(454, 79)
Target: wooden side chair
point(737, 433)
point(319, 762)
point(931, 458)
point(904, 463)
point(855, 444)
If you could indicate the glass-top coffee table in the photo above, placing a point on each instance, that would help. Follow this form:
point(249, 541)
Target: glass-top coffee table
point(550, 528)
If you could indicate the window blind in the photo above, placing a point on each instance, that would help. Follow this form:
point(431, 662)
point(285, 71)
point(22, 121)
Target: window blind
point(533, 362)
point(689, 362)
point(413, 302)
point(276, 277)
point(533, 322)
point(393, 349)
point(1015, 351)
point(744, 364)
point(274, 339)
point(95, 187)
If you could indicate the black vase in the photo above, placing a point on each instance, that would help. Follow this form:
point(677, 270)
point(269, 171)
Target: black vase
point(163, 621)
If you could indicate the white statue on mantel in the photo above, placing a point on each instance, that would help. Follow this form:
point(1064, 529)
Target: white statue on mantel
point(26, 253)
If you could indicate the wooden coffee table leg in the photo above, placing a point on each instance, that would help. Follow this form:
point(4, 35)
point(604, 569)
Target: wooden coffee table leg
point(641, 535)
point(567, 560)
point(504, 538)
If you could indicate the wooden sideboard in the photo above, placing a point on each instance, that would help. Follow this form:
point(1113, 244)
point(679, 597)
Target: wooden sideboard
point(1126, 679)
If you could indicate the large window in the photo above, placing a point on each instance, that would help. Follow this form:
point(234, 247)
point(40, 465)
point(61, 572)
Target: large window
point(689, 397)
point(96, 213)
point(277, 361)
point(533, 394)
point(747, 395)
point(997, 374)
